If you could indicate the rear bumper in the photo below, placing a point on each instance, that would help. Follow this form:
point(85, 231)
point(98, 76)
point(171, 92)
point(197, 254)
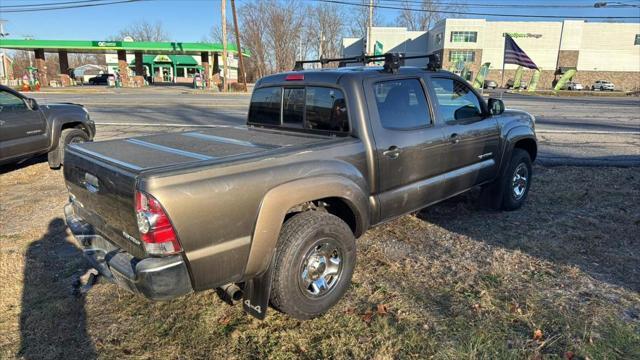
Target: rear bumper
point(155, 278)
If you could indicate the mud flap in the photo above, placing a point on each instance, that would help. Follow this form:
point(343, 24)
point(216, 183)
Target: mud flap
point(256, 295)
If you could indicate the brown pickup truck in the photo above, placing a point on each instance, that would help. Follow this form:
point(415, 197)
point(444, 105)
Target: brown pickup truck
point(269, 213)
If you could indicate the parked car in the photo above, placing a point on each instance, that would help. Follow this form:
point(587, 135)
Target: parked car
point(490, 84)
point(28, 129)
point(603, 85)
point(269, 213)
point(523, 84)
point(102, 79)
point(572, 85)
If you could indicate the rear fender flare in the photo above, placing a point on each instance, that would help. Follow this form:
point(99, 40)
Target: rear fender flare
point(280, 199)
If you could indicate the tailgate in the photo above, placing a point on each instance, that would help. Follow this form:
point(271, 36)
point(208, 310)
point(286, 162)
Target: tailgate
point(104, 197)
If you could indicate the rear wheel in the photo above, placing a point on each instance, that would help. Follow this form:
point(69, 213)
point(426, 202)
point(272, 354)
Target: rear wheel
point(313, 264)
point(516, 180)
point(68, 136)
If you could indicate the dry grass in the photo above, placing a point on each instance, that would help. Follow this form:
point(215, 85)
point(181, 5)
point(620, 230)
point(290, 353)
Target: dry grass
point(456, 281)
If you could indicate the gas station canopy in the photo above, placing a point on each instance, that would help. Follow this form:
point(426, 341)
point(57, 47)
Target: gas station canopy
point(178, 54)
point(87, 46)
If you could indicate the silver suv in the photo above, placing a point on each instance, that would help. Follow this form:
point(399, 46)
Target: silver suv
point(603, 85)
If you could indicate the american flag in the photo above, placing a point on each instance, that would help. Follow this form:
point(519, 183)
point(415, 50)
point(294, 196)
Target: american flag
point(514, 55)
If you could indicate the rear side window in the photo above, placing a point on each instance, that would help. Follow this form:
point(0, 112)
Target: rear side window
point(402, 104)
point(265, 106)
point(326, 109)
point(311, 107)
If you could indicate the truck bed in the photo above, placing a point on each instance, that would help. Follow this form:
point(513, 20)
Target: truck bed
point(211, 145)
point(101, 176)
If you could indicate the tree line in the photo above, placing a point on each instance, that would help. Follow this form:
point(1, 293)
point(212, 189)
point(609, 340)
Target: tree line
point(279, 32)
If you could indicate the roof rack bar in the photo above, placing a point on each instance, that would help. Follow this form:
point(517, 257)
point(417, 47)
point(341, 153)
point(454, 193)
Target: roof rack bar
point(434, 60)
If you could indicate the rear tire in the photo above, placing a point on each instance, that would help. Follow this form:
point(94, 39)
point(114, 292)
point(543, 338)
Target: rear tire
point(313, 264)
point(516, 180)
point(68, 136)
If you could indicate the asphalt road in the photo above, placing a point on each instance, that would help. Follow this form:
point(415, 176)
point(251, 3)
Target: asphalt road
point(571, 130)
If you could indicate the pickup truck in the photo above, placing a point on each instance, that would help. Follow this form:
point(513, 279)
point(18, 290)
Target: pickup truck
point(268, 213)
point(28, 129)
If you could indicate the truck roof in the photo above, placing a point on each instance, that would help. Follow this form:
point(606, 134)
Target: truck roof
point(333, 75)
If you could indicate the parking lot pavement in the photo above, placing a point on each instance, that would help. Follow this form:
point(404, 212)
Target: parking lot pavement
point(572, 130)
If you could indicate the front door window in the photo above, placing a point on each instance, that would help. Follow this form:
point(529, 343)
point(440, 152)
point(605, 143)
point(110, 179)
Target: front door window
point(457, 104)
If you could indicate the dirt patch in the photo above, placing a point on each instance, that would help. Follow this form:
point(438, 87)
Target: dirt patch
point(560, 276)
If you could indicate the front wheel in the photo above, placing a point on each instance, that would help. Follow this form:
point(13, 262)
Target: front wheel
point(516, 181)
point(313, 264)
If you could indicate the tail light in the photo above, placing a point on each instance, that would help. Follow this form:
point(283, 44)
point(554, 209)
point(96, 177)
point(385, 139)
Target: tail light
point(156, 232)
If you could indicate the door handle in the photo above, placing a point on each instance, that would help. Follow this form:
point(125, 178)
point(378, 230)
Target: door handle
point(454, 138)
point(392, 152)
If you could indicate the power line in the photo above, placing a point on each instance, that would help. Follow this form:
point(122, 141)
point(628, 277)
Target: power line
point(527, 6)
point(50, 4)
point(69, 6)
point(478, 13)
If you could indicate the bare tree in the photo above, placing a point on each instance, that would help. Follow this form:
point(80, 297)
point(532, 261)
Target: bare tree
point(427, 15)
point(144, 31)
point(215, 35)
point(326, 29)
point(360, 19)
point(21, 60)
point(284, 22)
point(76, 60)
point(253, 38)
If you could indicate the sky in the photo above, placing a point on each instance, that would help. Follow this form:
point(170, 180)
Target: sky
point(192, 20)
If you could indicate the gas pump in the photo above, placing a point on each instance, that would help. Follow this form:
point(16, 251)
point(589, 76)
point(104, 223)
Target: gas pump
point(111, 80)
point(197, 81)
point(31, 79)
point(118, 80)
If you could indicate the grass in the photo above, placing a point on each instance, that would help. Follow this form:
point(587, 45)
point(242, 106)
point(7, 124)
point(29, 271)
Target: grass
point(556, 279)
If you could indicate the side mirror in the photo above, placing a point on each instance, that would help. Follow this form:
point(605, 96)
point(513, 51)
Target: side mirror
point(32, 103)
point(496, 106)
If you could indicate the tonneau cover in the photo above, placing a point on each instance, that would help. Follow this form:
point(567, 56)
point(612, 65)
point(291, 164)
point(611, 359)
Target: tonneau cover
point(215, 144)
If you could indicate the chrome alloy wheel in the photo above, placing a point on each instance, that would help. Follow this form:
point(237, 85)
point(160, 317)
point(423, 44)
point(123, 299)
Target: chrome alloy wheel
point(321, 268)
point(519, 181)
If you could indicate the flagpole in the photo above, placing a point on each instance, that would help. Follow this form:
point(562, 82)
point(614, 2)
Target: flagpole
point(504, 51)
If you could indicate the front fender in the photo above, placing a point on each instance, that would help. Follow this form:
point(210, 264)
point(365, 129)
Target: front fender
point(58, 117)
point(280, 199)
point(511, 138)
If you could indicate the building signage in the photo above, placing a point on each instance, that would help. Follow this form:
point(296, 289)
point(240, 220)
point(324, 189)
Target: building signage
point(103, 44)
point(523, 35)
point(162, 58)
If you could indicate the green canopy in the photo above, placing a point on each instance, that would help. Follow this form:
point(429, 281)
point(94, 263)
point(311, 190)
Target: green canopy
point(148, 47)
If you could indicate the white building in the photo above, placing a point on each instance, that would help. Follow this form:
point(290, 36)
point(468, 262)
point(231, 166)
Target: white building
point(607, 51)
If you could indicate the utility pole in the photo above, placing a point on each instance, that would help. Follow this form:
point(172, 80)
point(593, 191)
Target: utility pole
point(240, 61)
point(225, 69)
point(320, 52)
point(370, 27)
point(4, 54)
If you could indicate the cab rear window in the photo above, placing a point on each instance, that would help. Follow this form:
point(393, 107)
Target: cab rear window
point(265, 106)
point(311, 107)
